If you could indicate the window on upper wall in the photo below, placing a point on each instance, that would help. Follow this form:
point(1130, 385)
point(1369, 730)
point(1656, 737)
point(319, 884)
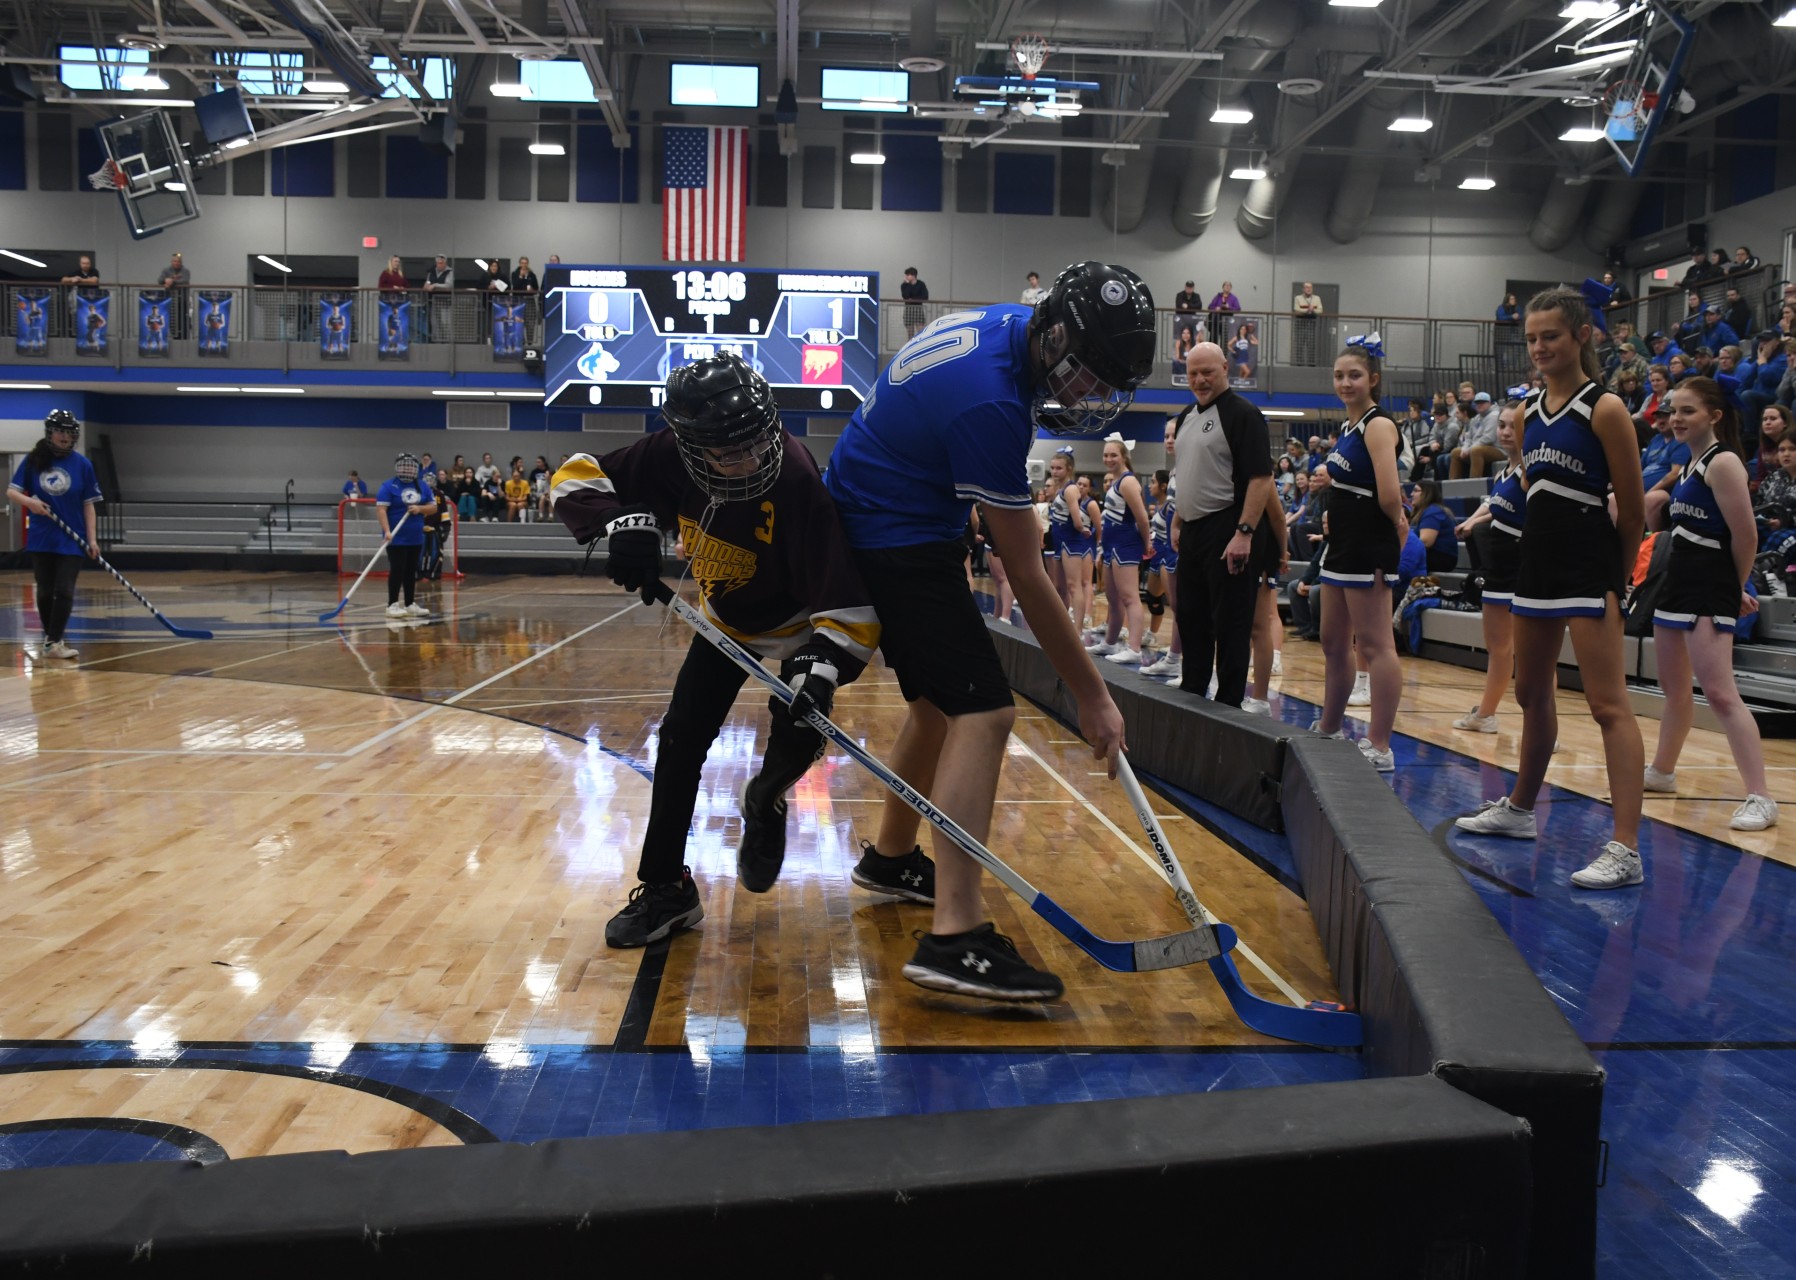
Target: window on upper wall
point(560, 80)
point(438, 76)
point(81, 68)
point(859, 89)
point(711, 84)
point(259, 71)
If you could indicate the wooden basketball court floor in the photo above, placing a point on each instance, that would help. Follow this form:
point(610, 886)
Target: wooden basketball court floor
point(313, 887)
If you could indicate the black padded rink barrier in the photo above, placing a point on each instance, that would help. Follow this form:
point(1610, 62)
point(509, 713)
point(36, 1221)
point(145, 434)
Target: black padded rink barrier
point(1233, 760)
point(1440, 987)
point(1387, 1178)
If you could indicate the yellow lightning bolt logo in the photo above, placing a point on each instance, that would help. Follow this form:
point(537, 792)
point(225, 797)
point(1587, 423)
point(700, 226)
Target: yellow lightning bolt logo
point(718, 567)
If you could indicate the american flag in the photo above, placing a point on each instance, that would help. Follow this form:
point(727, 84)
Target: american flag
point(704, 197)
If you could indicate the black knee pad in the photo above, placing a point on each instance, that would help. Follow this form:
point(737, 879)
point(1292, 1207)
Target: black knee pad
point(1156, 604)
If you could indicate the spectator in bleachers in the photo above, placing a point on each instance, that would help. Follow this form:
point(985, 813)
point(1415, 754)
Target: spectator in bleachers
point(1737, 313)
point(1424, 435)
point(1304, 529)
point(523, 279)
point(1434, 525)
point(1477, 447)
point(1412, 561)
point(1662, 465)
point(1705, 362)
point(1306, 332)
point(491, 499)
point(1786, 320)
point(486, 470)
point(439, 283)
point(85, 273)
point(466, 492)
point(1658, 392)
point(1186, 303)
point(1679, 367)
point(1304, 595)
point(1283, 473)
point(393, 278)
point(1761, 376)
point(1509, 311)
point(1627, 337)
point(1763, 461)
point(1716, 332)
point(1698, 271)
point(1629, 385)
point(1719, 261)
point(1314, 455)
point(1727, 360)
point(1032, 290)
point(1688, 330)
point(915, 293)
point(1774, 506)
point(517, 495)
point(1619, 293)
point(1222, 306)
point(1663, 347)
point(355, 486)
point(1626, 360)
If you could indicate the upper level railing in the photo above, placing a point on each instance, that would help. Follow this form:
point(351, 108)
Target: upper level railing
point(296, 328)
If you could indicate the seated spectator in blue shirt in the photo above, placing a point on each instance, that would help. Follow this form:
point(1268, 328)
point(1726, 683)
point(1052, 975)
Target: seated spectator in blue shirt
point(1315, 456)
point(1663, 348)
point(1688, 329)
point(1412, 561)
point(1662, 465)
point(355, 487)
point(1433, 526)
point(1716, 332)
point(1760, 375)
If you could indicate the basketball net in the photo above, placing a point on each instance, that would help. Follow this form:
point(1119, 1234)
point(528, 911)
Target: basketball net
point(108, 177)
point(1029, 52)
point(1627, 107)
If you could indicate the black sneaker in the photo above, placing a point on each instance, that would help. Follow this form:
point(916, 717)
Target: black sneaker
point(654, 911)
point(912, 876)
point(763, 842)
point(981, 962)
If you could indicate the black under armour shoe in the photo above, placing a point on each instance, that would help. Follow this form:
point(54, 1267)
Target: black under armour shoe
point(654, 911)
point(911, 876)
point(981, 962)
point(763, 848)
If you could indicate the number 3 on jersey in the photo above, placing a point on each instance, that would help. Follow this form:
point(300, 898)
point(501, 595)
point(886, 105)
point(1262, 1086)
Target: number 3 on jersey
point(947, 338)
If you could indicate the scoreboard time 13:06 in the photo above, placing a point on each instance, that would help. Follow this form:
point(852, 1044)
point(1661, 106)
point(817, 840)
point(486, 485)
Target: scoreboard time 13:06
point(612, 334)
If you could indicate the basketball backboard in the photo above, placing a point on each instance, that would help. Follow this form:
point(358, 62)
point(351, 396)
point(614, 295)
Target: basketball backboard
point(1652, 43)
point(148, 169)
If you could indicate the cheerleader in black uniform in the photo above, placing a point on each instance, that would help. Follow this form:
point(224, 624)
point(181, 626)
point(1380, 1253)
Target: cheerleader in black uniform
point(1500, 546)
point(1714, 539)
point(1577, 442)
point(1363, 548)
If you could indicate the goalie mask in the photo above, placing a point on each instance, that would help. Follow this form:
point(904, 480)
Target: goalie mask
point(62, 420)
point(1108, 314)
point(727, 426)
point(405, 467)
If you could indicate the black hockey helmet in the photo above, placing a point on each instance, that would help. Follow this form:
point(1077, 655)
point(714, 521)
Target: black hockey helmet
point(405, 467)
point(723, 416)
point(1109, 318)
point(61, 420)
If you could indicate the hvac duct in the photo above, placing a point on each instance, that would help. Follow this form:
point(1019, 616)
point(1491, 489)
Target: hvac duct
point(1559, 213)
point(1122, 188)
point(1266, 196)
point(1201, 184)
point(922, 28)
point(1352, 207)
point(1614, 212)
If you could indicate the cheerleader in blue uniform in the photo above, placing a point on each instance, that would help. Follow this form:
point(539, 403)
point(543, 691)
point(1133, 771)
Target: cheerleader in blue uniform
point(1578, 442)
point(1127, 542)
point(1714, 539)
point(1500, 545)
point(1163, 569)
point(1364, 545)
point(1271, 561)
point(1070, 536)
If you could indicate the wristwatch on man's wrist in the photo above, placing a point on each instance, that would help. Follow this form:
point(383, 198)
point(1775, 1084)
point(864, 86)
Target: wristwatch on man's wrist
point(1244, 527)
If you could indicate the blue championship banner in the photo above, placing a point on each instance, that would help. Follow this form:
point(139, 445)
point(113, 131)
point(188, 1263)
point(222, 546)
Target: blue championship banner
point(152, 323)
point(32, 334)
point(91, 308)
point(508, 328)
point(333, 325)
point(394, 340)
point(215, 323)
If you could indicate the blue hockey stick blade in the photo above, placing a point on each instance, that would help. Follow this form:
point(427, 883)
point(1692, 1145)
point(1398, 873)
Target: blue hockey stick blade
point(188, 633)
point(1318, 1026)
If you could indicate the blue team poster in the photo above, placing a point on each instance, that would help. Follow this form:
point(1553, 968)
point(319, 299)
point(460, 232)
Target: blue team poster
point(508, 328)
point(394, 341)
point(32, 334)
point(215, 323)
point(91, 308)
point(152, 323)
point(333, 325)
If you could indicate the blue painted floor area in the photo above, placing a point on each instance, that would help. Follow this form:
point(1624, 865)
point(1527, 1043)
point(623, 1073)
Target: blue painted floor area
point(527, 1093)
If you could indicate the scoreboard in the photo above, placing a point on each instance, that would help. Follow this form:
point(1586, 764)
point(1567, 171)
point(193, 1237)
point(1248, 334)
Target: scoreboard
point(612, 334)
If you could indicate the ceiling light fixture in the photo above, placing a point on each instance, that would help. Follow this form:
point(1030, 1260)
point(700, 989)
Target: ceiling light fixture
point(867, 157)
point(19, 257)
point(174, 186)
point(541, 148)
point(1582, 133)
point(1410, 124)
point(1249, 172)
point(272, 391)
point(1355, 4)
point(1231, 115)
point(24, 386)
point(509, 89)
point(325, 84)
point(210, 387)
point(1590, 10)
point(1478, 184)
point(282, 267)
point(1788, 20)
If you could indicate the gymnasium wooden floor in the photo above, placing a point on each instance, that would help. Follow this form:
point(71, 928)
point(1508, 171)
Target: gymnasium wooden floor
point(308, 887)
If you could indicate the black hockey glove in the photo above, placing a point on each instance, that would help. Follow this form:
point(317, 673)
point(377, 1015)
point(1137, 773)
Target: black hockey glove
point(813, 672)
point(633, 551)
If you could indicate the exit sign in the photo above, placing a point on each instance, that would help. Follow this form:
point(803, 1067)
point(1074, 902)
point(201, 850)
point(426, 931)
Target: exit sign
point(370, 242)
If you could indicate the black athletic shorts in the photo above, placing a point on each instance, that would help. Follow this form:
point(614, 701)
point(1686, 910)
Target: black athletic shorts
point(930, 628)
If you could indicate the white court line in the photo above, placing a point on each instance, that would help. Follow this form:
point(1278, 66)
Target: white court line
point(435, 707)
point(263, 657)
point(162, 648)
point(1247, 953)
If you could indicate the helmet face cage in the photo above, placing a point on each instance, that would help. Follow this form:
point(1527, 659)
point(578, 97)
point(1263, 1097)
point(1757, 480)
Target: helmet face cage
point(405, 466)
point(1108, 316)
point(1075, 401)
point(727, 426)
point(62, 420)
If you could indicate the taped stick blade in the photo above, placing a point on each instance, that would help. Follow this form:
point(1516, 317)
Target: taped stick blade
point(1177, 950)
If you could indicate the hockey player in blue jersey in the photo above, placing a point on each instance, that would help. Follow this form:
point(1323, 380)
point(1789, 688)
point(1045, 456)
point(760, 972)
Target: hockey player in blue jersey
point(949, 423)
point(54, 478)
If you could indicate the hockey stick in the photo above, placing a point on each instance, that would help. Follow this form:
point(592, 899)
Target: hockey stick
point(1171, 952)
point(1319, 1024)
point(186, 633)
point(344, 602)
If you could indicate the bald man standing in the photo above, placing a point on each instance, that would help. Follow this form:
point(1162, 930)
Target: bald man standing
point(1224, 467)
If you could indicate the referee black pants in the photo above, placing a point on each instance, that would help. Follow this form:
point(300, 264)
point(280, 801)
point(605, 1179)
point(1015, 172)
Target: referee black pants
point(1215, 610)
point(703, 694)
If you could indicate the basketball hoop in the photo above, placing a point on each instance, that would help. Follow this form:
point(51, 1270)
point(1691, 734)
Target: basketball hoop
point(108, 177)
point(1626, 107)
point(1029, 52)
